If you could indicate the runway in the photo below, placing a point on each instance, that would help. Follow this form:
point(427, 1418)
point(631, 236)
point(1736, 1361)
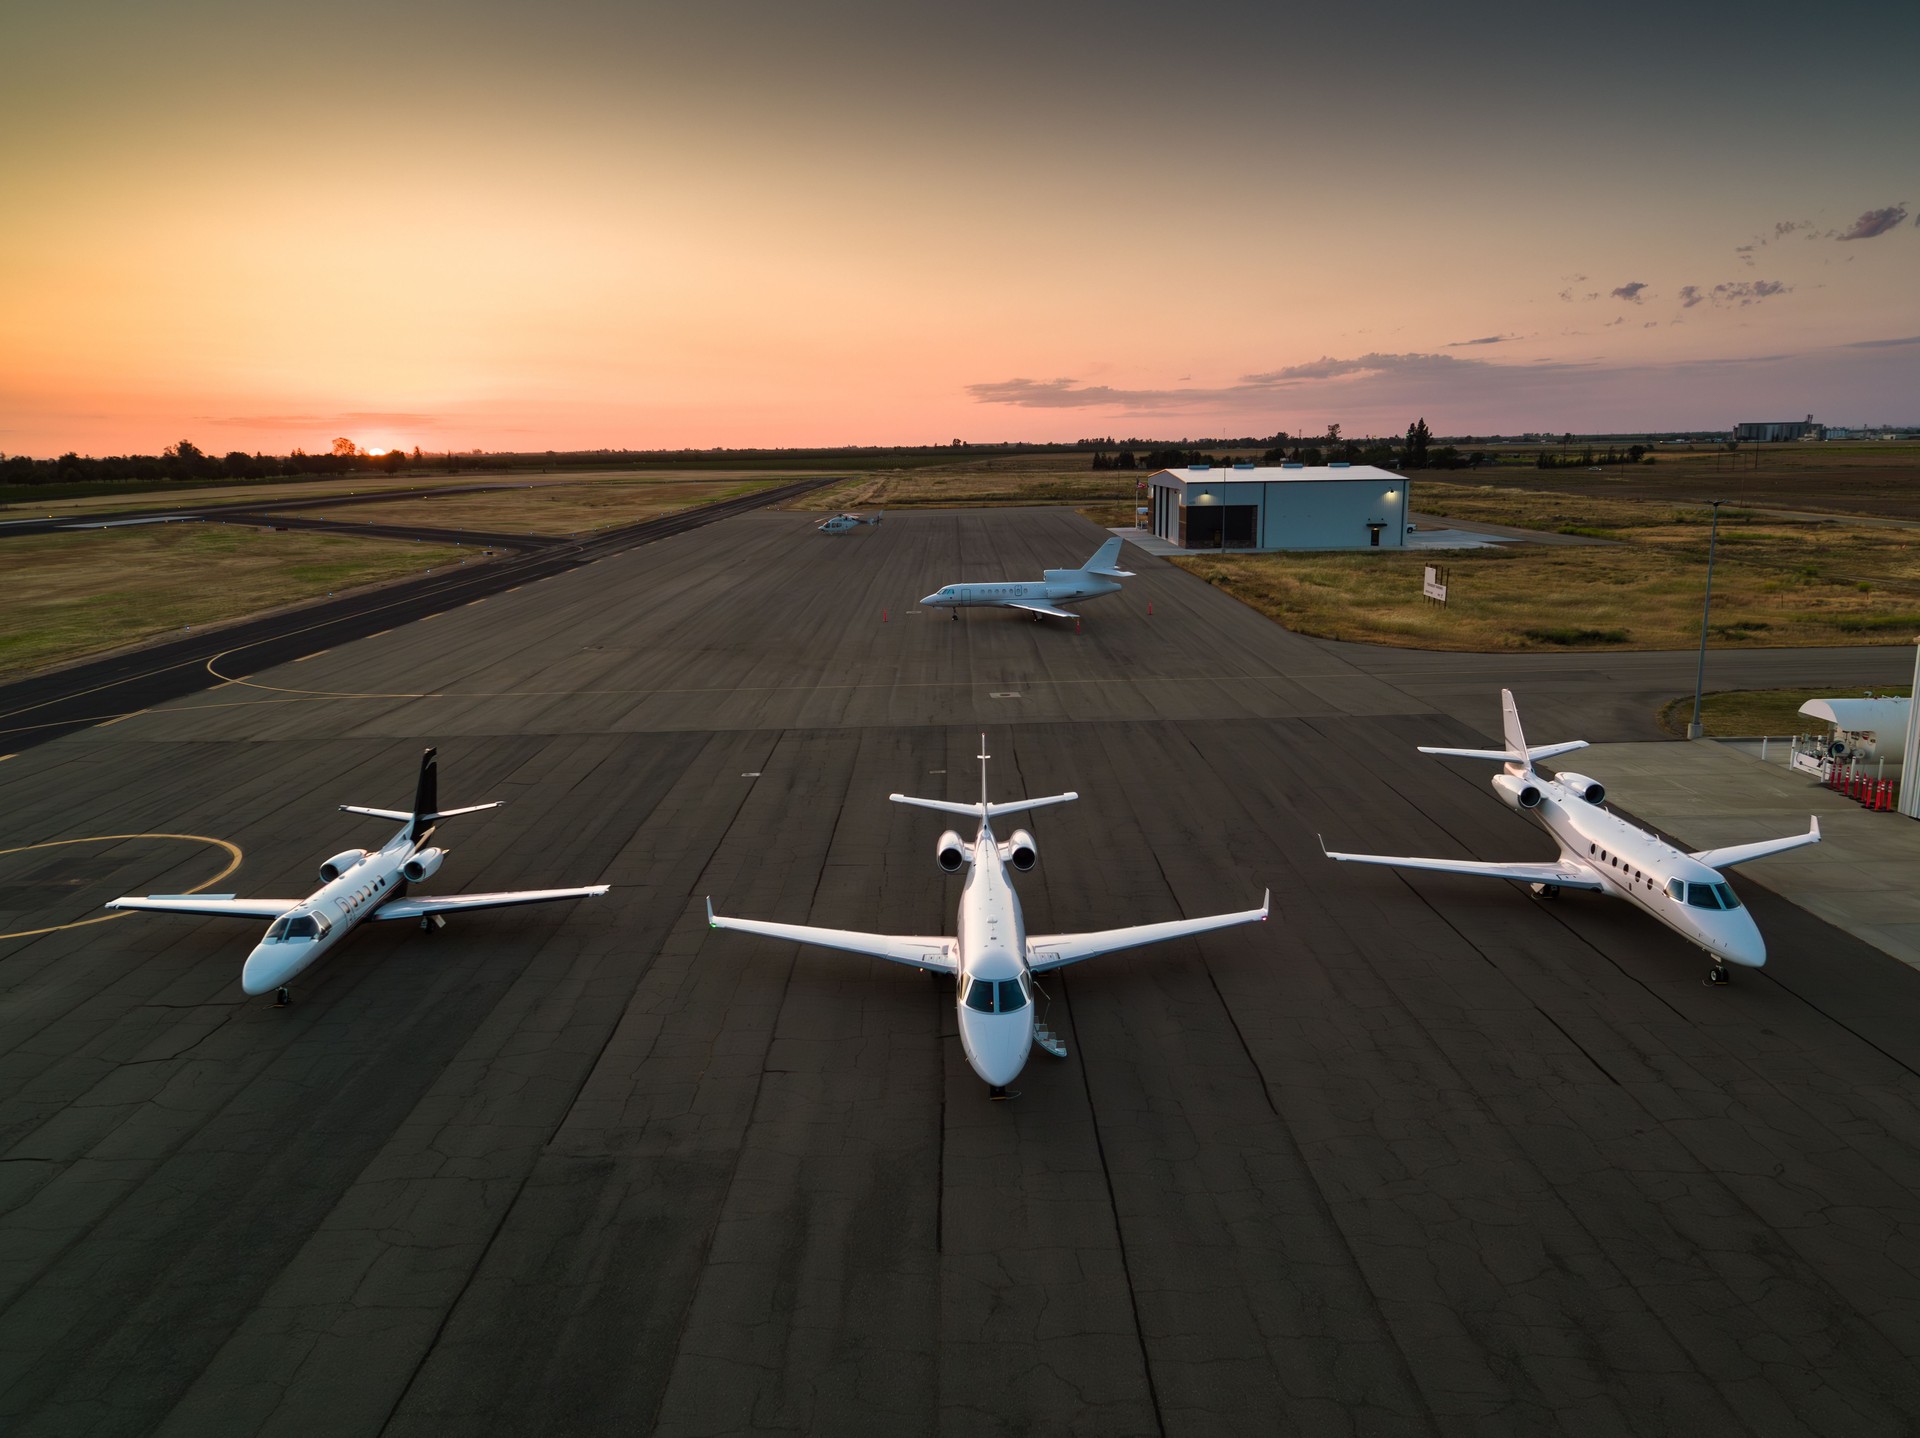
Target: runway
point(1420, 1156)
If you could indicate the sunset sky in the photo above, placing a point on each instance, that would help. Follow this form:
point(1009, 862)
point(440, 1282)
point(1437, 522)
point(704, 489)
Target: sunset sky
point(749, 222)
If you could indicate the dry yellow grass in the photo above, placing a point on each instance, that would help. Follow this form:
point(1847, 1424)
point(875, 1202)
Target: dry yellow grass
point(552, 509)
point(1749, 713)
point(69, 595)
point(1004, 480)
point(1777, 582)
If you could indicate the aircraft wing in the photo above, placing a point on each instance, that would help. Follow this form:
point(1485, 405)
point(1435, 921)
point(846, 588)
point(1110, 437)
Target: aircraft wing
point(466, 903)
point(1740, 853)
point(916, 951)
point(1040, 606)
point(213, 906)
point(1056, 951)
point(1564, 873)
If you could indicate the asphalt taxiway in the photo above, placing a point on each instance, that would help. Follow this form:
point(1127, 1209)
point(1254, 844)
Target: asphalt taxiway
point(1422, 1155)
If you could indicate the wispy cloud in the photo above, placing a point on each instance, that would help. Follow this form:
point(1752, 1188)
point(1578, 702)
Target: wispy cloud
point(1874, 222)
point(1884, 344)
point(1071, 394)
point(1690, 296)
point(1483, 340)
point(1749, 292)
point(1630, 292)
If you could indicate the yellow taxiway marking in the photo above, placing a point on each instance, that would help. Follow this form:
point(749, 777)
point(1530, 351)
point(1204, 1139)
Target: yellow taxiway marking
point(233, 862)
point(118, 717)
point(5, 757)
point(315, 655)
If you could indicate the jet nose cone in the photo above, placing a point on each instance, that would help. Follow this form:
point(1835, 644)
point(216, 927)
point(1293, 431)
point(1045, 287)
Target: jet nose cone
point(1744, 946)
point(261, 972)
point(930, 599)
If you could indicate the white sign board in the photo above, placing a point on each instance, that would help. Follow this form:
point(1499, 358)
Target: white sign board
point(1432, 587)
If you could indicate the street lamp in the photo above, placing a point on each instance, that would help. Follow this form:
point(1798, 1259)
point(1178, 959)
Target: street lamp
point(1700, 674)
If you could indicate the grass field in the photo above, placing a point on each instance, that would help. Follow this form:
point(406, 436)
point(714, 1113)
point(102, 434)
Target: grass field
point(1750, 713)
point(1003, 480)
point(70, 595)
point(556, 509)
point(1776, 582)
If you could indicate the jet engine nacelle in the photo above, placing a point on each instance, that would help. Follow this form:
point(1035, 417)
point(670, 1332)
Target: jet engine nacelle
point(1518, 793)
point(423, 865)
point(340, 863)
point(1592, 790)
point(950, 851)
point(1021, 851)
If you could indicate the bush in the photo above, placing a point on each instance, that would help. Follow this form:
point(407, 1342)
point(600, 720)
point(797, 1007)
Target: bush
point(1570, 635)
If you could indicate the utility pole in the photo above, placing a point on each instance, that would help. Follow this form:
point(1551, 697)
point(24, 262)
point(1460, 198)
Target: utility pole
point(1700, 674)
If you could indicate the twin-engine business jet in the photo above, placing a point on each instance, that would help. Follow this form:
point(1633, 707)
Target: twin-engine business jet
point(1092, 579)
point(356, 886)
point(1600, 850)
point(993, 958)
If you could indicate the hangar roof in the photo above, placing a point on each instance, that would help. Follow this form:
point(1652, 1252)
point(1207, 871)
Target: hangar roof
point(1274, 474)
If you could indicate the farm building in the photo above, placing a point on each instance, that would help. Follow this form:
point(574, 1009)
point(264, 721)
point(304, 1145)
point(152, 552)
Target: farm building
point(1286, 506)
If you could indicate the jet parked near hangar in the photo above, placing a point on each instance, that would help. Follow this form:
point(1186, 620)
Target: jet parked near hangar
point(842, 523)
point(1599, 850)
point(992, 958)
point(1096, 577)
point(356, 886)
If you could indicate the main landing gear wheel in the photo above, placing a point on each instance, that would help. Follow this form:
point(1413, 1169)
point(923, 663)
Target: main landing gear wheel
point(283, 998)
point(1545, 891)
point(1716, 976)
point(999, 1093)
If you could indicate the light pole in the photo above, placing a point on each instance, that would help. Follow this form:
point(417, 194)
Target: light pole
point(1706, 613)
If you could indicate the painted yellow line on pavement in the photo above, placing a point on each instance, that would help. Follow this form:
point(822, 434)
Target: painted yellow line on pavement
point(233, 862)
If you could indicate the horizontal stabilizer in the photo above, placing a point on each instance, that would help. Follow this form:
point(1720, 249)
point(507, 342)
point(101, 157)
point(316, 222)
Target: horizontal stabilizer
point(402, 817)
point(1740, 853)
point(983, 811)
point(1501, 756)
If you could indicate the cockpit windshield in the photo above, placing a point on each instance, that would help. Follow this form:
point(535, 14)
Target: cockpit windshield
point(297, 926)
point(997, 996)
point(1712, 896)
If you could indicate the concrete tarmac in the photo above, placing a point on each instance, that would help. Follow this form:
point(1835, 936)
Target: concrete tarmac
point(1422, 1155)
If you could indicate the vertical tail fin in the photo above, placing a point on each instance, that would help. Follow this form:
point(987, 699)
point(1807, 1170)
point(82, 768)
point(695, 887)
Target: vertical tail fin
point(426, 796)
point(1106, 560)
point(983, 756)
point(1516, 738)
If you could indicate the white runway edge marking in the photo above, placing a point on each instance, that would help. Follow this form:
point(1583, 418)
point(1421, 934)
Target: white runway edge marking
point(753, 774)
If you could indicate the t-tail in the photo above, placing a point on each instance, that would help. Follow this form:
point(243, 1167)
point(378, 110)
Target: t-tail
point(426, 803)
point(1519, 756)
point(985, 811)
point(1105, 563)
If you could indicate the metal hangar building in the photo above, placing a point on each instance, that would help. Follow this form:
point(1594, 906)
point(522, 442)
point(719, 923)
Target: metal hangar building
point(1285, 506)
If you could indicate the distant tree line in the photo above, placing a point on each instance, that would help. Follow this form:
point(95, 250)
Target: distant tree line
point(1588, 457)
point(186, 462)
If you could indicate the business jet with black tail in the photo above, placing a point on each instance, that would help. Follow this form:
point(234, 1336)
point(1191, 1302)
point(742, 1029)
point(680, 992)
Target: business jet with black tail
point(1096, 577)
point(356, 886)
point(1600, 850)
point(992, 956)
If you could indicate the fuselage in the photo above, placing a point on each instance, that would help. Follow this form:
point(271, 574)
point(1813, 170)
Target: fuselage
point(1642, 868)
point(1059, 584)
point(994, 990)
point(298, 938)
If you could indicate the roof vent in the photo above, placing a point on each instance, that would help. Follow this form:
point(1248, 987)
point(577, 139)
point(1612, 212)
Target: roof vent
point(1199, 466)
point(1338, 464)
point(1292, 464)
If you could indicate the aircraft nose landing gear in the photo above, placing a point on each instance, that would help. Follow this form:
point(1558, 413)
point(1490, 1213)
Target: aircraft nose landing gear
point(283, 998)
point(1716, 976)
point(1000, 1093)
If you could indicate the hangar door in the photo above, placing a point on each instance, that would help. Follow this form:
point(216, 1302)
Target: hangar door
point(1219, 526)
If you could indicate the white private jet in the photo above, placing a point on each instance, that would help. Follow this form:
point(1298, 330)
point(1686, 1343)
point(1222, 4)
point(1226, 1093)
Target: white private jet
point(994, 958)
point(356, 886)
point(1600, 850)
point(841, 523)
point(1092, 579)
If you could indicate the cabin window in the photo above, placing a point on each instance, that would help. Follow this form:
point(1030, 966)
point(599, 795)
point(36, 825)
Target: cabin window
point(1728, 899)
point(1676, 890)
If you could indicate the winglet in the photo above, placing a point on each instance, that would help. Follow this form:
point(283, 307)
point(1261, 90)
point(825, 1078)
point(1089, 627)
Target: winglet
point(1323, 842)
point(1815, 830)
point(1266, 899)
point(710, 922)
